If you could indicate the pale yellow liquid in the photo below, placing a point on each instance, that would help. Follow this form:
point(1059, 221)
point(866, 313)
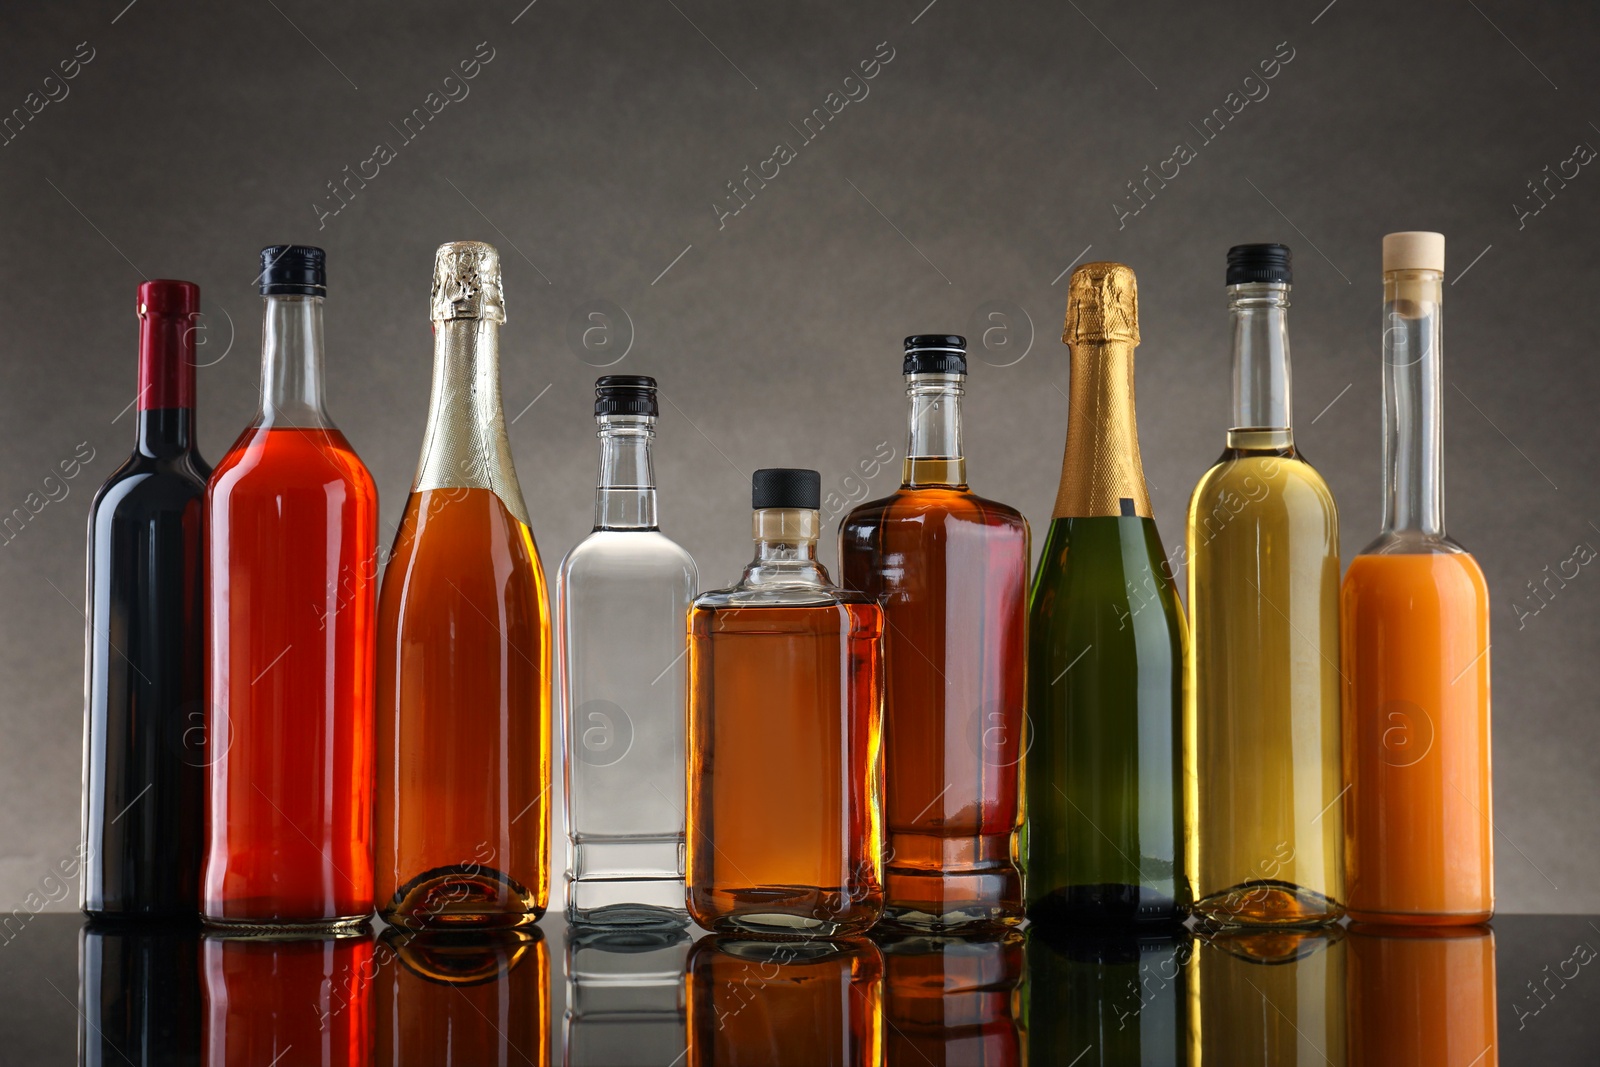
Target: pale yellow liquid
point(1265, 823)
point(1270, 998)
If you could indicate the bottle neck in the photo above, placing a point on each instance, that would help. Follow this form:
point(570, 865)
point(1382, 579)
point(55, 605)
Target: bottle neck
point(1101, 472)
point(166, 384)
point(1260, 313)
point(786, 548)
point(465, 444)
point(1413, 403)
point(626, 496)
point(933, 448)
point(291, 363)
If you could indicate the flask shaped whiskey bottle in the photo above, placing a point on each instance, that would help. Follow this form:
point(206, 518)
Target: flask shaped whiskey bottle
point(144, 763)
point(951, 572)
point(291, 572)
point(785, 765)
point(1266, 830)
point(464, 646)
point(1415, 616)
point(622, 596)
point(1105, 653)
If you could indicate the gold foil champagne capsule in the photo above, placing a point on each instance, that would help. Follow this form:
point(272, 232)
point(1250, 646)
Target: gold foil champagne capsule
point(1102, 473)
point(466, 283)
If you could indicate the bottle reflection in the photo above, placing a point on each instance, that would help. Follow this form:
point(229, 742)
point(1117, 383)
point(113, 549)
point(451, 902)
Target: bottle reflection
point(785, 1003)
point(1107, 998)
point(138, 995)
point(951, 1000)
point(1273, 998)
point(625, 996)
point(1422, 997)
point(463, 997)
point(288, 1001)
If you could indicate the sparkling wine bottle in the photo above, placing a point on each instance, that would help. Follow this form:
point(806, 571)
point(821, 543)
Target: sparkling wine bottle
point(951, 571)
point(1105, 652)
point(1266, 830)
point(290, 569)
point(464, 646)
point(622, 596)
point(143, 756)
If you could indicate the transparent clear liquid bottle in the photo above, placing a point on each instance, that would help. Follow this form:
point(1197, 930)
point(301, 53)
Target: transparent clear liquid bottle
point(622, 597)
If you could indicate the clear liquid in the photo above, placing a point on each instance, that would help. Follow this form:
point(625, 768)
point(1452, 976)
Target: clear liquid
point(624, 598)
point(1265, 828)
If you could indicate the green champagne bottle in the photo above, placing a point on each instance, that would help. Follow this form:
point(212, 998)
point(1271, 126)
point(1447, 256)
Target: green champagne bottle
point(1104, 778)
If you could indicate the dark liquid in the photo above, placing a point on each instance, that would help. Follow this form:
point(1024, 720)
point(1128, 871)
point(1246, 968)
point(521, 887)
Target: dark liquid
point(144, 763)
point(139, 992)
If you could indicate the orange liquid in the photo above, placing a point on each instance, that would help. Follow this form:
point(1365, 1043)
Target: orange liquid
point(464, 718)
point(290, 576)
point(463, 998)
point(1419, 840)
point(1422, 997)
point(287, 1002)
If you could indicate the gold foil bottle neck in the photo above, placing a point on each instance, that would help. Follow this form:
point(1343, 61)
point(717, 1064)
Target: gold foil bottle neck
point(1102, 304)
point(466, 283)
point(1102, 473)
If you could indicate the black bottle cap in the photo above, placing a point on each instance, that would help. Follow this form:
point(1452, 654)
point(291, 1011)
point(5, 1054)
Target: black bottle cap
point(293, 270)
point(935, 353)
point(786, 487)
point(1260, 263)
point(625, 394)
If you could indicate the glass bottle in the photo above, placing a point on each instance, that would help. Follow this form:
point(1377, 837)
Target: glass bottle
point(951, 999)
point(818, 1003)
point(288, 1000)
point(138, 993)
point(143, 779)
point(785, 760)
point(1415, 618)
point(1271, 998)
point(1104, 837)
point(951, 571)
point(1265, 833)
point(625, 995)
point(463, 813)
point(462, 997)
point(292, 523)
point(622, 595)
point(1424, 996)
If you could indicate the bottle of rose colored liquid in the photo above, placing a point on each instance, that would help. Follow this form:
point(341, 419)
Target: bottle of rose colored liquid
point(1415, 642)
point(144, 765)
point(291, 571)
point(464, 646)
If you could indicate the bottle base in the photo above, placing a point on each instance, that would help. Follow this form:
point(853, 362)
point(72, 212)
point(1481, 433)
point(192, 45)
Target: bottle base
point(1360, 917)
point(461, 897)
point(1268, 904)
point(268, 929)
point(935, 883)
point(1109, 904)
point(626, 902)
point(786, 912)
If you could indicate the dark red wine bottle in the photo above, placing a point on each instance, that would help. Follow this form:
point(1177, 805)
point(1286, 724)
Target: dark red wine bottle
point(144, 735)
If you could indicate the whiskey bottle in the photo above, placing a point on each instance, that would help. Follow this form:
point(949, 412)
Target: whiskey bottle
point(785, 761)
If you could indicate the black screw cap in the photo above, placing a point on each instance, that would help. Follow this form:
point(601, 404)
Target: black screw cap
point(935, 353)
point(786, 487)
point(1260, 263)
point(293, 270)
point(625, 394)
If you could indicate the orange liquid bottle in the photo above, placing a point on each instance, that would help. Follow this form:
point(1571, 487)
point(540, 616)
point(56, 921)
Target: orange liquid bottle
point(464, 647)
point(1414, 613)
point(1422, 997)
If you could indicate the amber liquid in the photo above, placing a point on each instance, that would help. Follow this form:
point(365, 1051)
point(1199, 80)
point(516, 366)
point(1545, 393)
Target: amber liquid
point(464, 721)
point(951, 1002)
point(784, 1004)
point(287, 1002)
point(951, 571)
point(1416, 717)
point(289, 605)
point(463, 998)
point(785, 768)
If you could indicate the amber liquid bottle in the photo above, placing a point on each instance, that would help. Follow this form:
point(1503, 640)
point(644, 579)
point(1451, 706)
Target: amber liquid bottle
point(785, 763)
point(292, 522)
point(1414, 613)
point(464, 647)
point(951, 571)
point(951, 1000)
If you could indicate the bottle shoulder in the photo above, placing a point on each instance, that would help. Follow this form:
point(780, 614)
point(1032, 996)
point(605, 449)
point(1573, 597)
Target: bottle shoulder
point(285, 457)
point(1282, 482)
point(630, 554)
point(145, 482)
point(782, 596)
point(934, 506)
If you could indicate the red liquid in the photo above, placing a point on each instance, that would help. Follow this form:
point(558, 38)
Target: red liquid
point(291, 566)
point(288, 1003)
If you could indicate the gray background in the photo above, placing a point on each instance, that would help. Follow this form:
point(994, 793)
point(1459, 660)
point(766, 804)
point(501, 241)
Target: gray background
point(985, 159)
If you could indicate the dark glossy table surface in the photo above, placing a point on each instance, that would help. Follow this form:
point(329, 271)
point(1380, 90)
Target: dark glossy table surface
point(1525, 992)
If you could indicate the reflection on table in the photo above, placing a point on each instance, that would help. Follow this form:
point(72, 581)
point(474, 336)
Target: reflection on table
point(1363, 996)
